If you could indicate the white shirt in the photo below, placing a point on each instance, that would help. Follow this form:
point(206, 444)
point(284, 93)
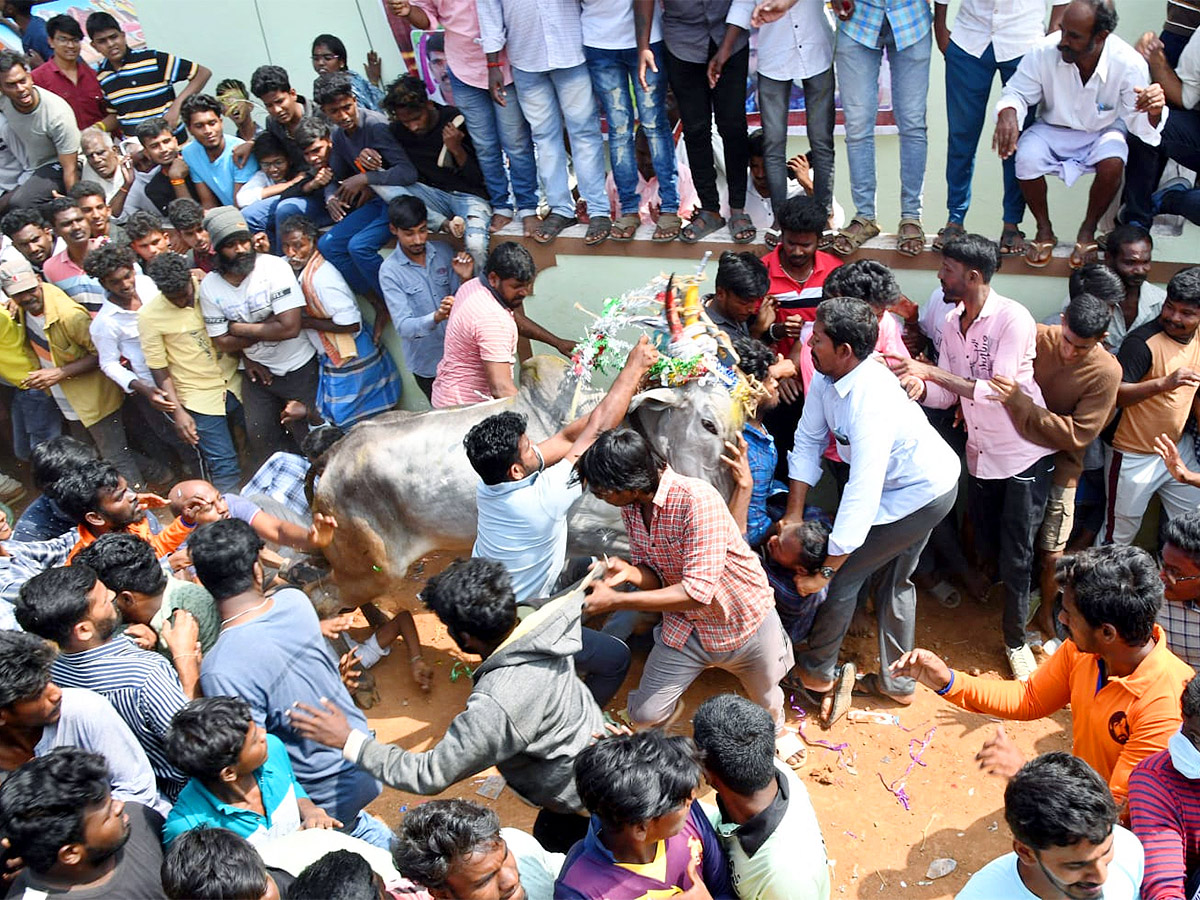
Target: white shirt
point(1010, 26)
point(999, 878)
point(115, 333)
point(338, 300)
point(270, 289)
point(1108, 98)
point(1188, 71)
point(933, 318)
point(609, 24)
point(539, 35)
point(799, 45)
point(898, 463)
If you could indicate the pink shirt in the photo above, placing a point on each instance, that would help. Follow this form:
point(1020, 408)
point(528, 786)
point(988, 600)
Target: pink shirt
point(1002, 341)
point(479, 330)
point(461, 23)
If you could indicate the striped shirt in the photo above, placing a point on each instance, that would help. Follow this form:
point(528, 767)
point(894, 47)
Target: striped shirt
point(73, 281)
point(797, 298)
point(141, 88)
point(1164, 811)
point(910, 21)
point(282, 478)
point(1183, 17)
point(141, 686)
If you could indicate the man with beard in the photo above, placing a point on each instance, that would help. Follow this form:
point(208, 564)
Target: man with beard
point(73, 608)
point(44, 124)
point(1128, 253)
point(903, 481)
point(252, 304)
point(74, 837)
point(1093, 88)
point(30, 236)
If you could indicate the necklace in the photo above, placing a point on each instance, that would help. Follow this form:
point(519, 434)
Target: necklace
point(245, 612)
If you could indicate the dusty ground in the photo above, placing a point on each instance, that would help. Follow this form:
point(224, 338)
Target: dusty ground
point(876, 847)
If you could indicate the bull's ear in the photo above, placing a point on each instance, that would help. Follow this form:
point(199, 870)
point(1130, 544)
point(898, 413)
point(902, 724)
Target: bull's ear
point(657, 397)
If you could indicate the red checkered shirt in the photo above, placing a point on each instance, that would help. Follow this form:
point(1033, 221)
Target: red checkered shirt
point(694, 541)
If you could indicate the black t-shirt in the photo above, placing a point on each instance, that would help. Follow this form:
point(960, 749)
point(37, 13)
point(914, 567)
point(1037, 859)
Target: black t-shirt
point(425, 149)
point(160, 192)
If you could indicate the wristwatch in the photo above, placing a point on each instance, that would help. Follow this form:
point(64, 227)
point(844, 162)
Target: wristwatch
point(827, 572)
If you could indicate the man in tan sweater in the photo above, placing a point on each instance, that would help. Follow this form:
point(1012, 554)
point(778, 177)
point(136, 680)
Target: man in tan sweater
point(1079, 381)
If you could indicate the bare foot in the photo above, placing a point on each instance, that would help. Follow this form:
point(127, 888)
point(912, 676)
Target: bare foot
point(498, 221)
point(530, 225)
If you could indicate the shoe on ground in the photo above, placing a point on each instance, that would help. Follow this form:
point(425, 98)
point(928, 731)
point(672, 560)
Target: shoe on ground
point(1021, 661)
point(11, 490)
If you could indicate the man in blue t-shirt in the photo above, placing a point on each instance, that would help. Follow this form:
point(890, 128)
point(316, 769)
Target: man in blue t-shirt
point(218, 167)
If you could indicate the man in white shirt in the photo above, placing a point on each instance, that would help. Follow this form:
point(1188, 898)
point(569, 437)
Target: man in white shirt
point(1066, 840)
point(1093, 88)
point(903, 482)
point(988, 38)
point(252, 303)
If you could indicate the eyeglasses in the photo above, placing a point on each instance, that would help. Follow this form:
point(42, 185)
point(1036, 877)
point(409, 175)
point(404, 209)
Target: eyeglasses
point(1172, 575)
point(66, 39)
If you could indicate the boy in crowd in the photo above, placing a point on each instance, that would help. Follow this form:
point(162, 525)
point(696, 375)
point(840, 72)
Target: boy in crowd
point(147, 236)
point(188, 218)
point(65, 269)
point(214, 168)
point(169, 177)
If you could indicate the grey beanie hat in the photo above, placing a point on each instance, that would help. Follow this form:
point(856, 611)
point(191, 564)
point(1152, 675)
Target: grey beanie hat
point(222, 223)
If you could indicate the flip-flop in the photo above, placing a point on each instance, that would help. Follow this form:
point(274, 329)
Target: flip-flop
point(787, 746)
point(624, 227)
point(552, 226)
point(948, 232)
point(598, 231)
point(702, 224)
point(1012, 242)
point(1038, 253)
point(841, 692)
point(1083, 253)
point(741, 228)
point(667, 228)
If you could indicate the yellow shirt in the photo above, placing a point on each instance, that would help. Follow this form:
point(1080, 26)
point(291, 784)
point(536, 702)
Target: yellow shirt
point(93, 395)
point(175, 339)
point(16, 359)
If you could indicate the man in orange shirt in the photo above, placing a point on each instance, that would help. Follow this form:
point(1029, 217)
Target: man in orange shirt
point(97, 497)
point(1116, 671)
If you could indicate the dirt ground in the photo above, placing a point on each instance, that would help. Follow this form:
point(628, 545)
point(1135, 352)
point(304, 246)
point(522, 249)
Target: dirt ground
point(877, 848)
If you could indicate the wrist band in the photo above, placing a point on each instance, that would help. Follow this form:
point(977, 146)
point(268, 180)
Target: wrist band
point(187, 522)
point(495, 65)
point(179, 656)
point(176, 182)
point(949, 684)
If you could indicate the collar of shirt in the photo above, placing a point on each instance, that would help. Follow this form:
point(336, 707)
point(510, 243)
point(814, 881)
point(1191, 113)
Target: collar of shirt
point(960, 308)
point(753, 833)
point(1102, 66)
point(119, 645)
point(1149, 671)
point(665, 482)
point(844, 384)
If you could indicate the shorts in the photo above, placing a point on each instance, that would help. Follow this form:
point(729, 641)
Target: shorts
point(1058, 520)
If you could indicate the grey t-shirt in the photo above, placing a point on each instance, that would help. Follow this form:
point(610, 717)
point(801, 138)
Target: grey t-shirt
point(46, 133)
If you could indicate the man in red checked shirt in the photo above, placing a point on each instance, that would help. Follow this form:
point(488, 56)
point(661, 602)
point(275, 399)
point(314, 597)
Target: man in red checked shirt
point(688, 561)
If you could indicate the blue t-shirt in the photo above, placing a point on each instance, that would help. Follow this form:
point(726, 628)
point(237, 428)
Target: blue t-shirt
point(275, 660)
point(221, 174)
point(37, 39)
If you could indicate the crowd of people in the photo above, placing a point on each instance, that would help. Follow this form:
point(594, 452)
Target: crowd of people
point(184, 346)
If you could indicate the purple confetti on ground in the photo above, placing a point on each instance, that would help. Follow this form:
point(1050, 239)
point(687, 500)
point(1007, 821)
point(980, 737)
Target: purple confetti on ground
point(916, 747)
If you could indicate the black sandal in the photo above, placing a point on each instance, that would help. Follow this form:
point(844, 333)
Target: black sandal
point(702, 224)
point(741, 228)
point(599, 230)
point(552, 226)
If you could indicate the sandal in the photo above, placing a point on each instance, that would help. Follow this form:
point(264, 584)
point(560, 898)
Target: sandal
point(948, 232)
point(1012, 242)
point(946, 594)
point(624, 227)
point(703, 223)
point(840, 694)
point(741, 228)
point(847, 241)
point(552, 226)
point(1083, 253)
point(869, 685)
point(788, 747)
point(598, 231)
point(910, 238)
point(772, 237)
point(1038, 253)
point(667, 228)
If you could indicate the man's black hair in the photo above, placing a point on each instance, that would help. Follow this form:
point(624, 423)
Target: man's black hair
point(866, 279)
point(473, 597)
point(813, 535)
point(435, 834)
point(142, 223)
point(1117, 585)
point(300, 224)
point(212, 864)
point(736, 739)
point(107, 259)
point(1126, 234)
point(332, 86)
point(152, 128)
point(44, 802)
point(620, 460)
point(1058, 800)
point(1184, 532)
point(52, 459)
point(83, 189)
point(99, 22)
point(1088, 316)
point(493, 445)
point(124, 562)
point(170, 273)
point(24, 666)
point(267, 143)
point(1190, 701)
point(309, 130)
point(64, 24)
point(1098, 280)
point(754, 357)
point(331, 42)
point(511, 260)
point(743, 274)
point(975, 252)
point(406, 92)
point(16, 219)
point(802, 214)
point(339, 875)
point(268, 80)
point(53, 602)
point(224, 553)
point(406, 211)
point(52, 208)
point(186, 213)
point(320, 440)
point(79, 491)
point(756, 144)
point(207, 735)
point(848, 320)
point(1184, 286)
point(631, 779)
point(1106, 15)
point(10, 59)
point(198, 103)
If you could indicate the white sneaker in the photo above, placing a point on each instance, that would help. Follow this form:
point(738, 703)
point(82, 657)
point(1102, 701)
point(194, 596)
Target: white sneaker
point(1021, 661)
point(11, 490)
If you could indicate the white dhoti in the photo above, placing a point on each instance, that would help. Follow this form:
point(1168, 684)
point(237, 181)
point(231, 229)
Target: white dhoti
point(1065, 152)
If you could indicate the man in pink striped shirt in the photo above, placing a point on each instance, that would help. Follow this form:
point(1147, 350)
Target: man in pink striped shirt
point(985, 335)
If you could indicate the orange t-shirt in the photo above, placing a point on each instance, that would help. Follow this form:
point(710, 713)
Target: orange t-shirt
point(164, 543)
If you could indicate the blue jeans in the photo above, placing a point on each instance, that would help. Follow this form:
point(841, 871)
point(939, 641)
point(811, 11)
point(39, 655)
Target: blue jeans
point(493, 129)
point(442, 205)
point(267, 215)
point(858, 79)
point(217, 452)
point(604, 663)
point(352, 245)
point(1144, 168)
point(35, 419)
point(773, 99)
point(968, 85)
point(549, 99)
point(371, 829)
point(612, 71)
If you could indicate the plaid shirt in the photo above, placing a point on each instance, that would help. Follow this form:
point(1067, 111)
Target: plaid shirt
point(1181, 622)
point(910, 21)
point(26, 559)
point(694, 541)
point(282, 478)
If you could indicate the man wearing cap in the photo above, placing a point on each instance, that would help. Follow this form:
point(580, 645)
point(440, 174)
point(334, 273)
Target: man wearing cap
point(252, 303)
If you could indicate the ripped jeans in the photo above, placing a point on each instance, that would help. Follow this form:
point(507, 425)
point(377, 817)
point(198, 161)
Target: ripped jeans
point(612, 72)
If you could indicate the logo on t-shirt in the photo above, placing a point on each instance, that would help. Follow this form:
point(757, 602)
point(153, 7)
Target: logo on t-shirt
point(1118, 727)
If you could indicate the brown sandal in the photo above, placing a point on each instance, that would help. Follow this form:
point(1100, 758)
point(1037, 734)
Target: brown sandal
point(624, 227)
point(910, 238)
point(667, 228)
point(948, 232)
point(847, 241)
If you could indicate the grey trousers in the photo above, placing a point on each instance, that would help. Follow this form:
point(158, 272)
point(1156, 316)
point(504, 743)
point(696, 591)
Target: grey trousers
point(892, 551)
point(773, 98)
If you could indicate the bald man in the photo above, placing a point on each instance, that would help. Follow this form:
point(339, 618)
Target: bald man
point(212, 505)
